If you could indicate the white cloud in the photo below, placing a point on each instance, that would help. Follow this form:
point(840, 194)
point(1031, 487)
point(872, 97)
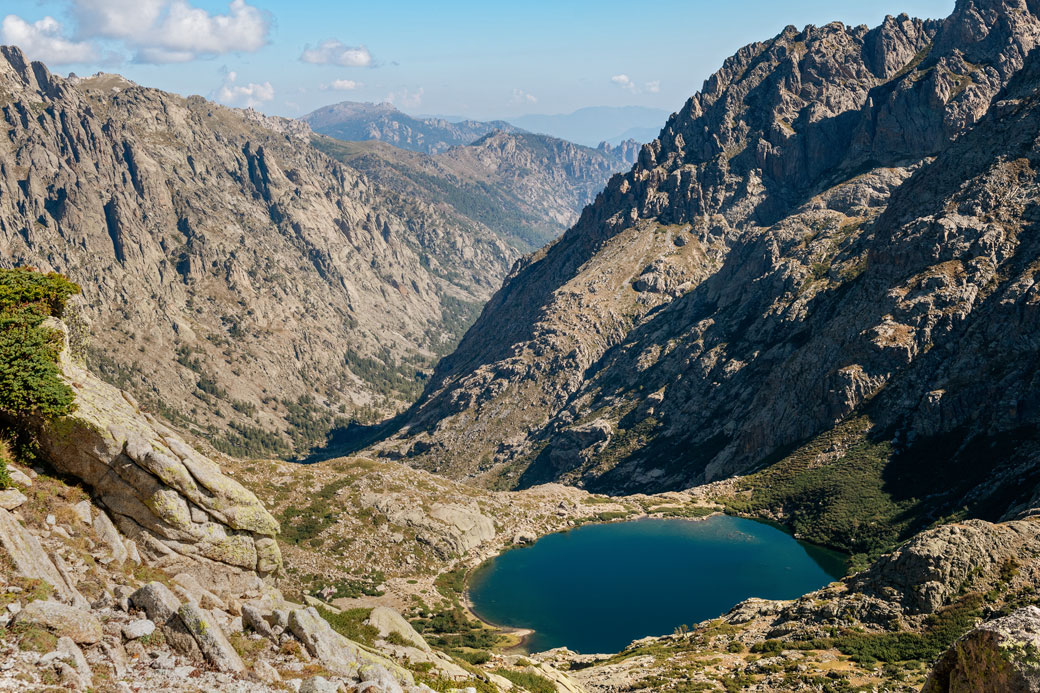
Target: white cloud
point(623, 81)
point(117, 19)
point(406, 98)
point(166, 31)
point(251, 94)
point(626, 82)
point(43, 40)
point(342, 85)
point(521, 96)
point(334, 52)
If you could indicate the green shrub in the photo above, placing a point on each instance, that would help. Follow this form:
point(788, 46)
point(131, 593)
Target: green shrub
point(351, 624)
point(941, 629)
point(30, 379)
point(5, 458)
point(472, 656)
point(532, 682)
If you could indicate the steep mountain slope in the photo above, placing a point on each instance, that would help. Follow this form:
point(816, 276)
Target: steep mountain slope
point(526, 188)
point(785, 264)
point(361, 122)
point(292, 289)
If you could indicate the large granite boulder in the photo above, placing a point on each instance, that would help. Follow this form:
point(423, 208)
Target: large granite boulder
point(1000, 655)
point(31, 561)
point(182, 512)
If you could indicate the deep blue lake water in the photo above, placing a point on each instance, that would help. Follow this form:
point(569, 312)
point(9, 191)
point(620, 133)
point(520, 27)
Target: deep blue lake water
point(599, 587)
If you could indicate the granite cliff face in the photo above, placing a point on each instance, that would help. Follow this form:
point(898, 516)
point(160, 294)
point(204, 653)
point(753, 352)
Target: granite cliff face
point(832, 235)
point(291, 289)
point(526, 188)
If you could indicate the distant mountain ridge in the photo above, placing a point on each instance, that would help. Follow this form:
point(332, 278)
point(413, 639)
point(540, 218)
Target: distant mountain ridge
point(593, 126)
point(527, 188)
point(362, 122)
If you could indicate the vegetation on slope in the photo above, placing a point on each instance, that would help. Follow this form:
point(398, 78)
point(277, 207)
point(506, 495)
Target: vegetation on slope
point(30, 380)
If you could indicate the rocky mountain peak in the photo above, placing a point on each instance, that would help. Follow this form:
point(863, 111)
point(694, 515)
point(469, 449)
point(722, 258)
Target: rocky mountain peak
point(716, 259)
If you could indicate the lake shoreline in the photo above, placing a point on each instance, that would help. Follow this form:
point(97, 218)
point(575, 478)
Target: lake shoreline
point(578, 572)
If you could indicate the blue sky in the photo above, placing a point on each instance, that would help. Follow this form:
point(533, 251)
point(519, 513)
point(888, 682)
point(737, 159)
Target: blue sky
point(477, 59)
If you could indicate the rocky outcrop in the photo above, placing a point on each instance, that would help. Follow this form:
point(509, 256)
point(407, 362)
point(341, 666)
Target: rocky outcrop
point(387, 621)
point(785, 256)
point(173, 502)
point(63, 620)
point(929, 570)
point(450, 529)
point(1000, 655)
point(340, 655)
point(31, 561)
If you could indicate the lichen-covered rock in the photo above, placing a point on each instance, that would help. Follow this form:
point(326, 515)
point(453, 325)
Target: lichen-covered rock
point(211, 639)
point(31, 561)
point(11, 498)
point(339, 655)
point(449, 528)
point(62, 620)
point(1000, 655)
point(172, 501)
point(388, 621)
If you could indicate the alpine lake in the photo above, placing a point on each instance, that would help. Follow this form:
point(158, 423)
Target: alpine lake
point(598, 587)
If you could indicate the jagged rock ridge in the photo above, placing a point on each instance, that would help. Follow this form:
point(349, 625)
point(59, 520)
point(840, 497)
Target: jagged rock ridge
point(271, 271)
point(785, 254)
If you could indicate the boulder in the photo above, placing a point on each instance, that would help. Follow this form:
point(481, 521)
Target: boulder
point(11, 498)
point(31, 561)
point(339, 655)
point(108, 534)
point(156, 600)
point(161, 606)
point(211, 639)
point(378, 675)
point(253, 618)
point(140, 628)
point(388, 621)
point(999, 655)
point(318, 684)
point(63, 620)
point(175, 503)
point(19, 477)
point(265, 672)
point(68, 651)
point(83, 511)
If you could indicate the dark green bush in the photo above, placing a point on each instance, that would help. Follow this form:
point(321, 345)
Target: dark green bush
point(532, 682)
point(30, 380)
point(351, 624)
